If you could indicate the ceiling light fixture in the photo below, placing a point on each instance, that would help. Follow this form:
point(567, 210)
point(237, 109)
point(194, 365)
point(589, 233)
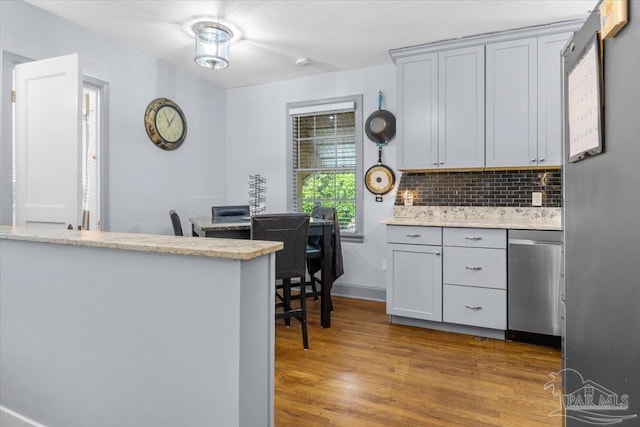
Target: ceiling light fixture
point(212, 44)
point(303, 62)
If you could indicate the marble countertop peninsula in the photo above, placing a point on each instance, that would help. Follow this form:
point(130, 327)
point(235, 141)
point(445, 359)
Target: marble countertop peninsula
point(239, 249)
point(477, 217)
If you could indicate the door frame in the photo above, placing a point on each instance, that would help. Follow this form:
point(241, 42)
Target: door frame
point(103, 154)
point(8, 61)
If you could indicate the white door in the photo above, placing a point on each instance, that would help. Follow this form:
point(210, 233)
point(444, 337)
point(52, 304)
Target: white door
point(48, 142)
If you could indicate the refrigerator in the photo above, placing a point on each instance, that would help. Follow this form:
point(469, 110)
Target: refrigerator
point(601, 349)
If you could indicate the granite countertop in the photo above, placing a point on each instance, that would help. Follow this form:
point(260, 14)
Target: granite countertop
point(478, 217)
point(240, 249)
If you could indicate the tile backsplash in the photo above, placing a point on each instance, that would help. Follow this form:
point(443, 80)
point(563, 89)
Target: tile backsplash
point(512, 188)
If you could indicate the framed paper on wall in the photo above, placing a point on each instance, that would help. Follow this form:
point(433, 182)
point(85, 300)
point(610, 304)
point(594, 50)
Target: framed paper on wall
point(584, 103)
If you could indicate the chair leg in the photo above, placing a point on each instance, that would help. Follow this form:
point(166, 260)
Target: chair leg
point(303, 314)
point(286, 294)
point(313, 288)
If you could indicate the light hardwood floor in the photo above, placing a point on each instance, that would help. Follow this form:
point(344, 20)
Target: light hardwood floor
point(364, 371)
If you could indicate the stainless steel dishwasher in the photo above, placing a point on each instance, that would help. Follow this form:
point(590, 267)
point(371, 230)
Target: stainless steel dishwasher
point(534, 286)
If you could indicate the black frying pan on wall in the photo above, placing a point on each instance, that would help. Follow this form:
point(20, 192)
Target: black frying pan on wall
point(380, 126)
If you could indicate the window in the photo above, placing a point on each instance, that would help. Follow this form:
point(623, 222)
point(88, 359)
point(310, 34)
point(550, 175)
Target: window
point(326, 145)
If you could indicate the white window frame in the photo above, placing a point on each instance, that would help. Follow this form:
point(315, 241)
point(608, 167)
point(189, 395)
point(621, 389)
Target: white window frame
point(324, 106)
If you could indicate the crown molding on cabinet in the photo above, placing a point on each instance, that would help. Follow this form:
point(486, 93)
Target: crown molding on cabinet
point(500, 36)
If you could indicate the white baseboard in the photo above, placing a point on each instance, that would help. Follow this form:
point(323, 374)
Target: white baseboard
point(359, 292)
point(9, 418)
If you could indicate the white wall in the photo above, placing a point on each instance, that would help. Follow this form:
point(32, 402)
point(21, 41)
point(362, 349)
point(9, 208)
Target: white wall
point(144, 181)
point(257, 143)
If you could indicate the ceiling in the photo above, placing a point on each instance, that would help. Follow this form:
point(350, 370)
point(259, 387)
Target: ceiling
point(335, 35)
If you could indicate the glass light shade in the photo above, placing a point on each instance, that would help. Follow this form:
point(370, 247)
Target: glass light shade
point(212, 44)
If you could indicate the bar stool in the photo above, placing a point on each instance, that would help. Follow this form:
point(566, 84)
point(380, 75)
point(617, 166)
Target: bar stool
point(293, 231)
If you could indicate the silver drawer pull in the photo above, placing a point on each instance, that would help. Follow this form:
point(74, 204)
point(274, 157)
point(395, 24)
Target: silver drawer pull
point(471, 267)
point(473, 238)
point(474, 307)
point(413, 235)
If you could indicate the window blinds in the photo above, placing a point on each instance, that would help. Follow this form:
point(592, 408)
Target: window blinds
point(323, 141)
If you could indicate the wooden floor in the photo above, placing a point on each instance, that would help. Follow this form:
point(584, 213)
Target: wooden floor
point(364, 371)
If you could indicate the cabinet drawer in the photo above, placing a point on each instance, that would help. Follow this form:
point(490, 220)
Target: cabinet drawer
point(475, 267)
point(475, 237)
point(486, 308)
point(414, 235)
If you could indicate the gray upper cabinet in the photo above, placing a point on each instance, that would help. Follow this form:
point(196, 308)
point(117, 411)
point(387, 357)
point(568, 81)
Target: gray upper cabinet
point(417, 134)
point(512, 103)
point(550, 98)
point(486, 101)
point(461, 108)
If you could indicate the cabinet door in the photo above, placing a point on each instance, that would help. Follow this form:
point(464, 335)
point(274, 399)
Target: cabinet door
point(550, 121)
point(461, 108)
point(512, 105)
point(415, 282)
point(417, 112)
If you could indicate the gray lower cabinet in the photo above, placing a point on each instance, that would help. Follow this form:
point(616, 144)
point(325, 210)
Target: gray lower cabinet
point(475, 277)
point(482, 307)
point(457, 276)
point(414, 288)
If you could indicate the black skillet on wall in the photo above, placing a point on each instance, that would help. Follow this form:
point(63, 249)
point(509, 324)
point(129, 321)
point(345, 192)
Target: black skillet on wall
point(379, 178)
point(380, 126)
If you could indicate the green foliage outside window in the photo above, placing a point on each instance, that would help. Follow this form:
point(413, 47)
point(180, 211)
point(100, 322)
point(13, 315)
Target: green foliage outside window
point(331, 189)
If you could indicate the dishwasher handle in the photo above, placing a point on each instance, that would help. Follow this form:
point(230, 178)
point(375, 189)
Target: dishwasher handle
point(533, 242)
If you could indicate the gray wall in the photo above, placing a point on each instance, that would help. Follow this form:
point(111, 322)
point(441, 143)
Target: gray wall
point(153, 339)
point(602, 232)
point(144, 181)
point(257, 143)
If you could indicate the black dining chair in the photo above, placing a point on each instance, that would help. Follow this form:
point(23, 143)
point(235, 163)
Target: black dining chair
point(230, 210)
point(314, 251)
point(175, 221)
point(293, 231)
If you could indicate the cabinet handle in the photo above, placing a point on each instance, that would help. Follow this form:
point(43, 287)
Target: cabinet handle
point(470, 267)
point(435, 163)
point(474, 307)
point(413, 235)
point(542, 159)
point(432, 253)
point(533, 160)
point(473, 238)
point(442, 162)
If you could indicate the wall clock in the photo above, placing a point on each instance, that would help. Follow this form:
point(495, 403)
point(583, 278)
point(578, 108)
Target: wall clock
point(165, 123)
